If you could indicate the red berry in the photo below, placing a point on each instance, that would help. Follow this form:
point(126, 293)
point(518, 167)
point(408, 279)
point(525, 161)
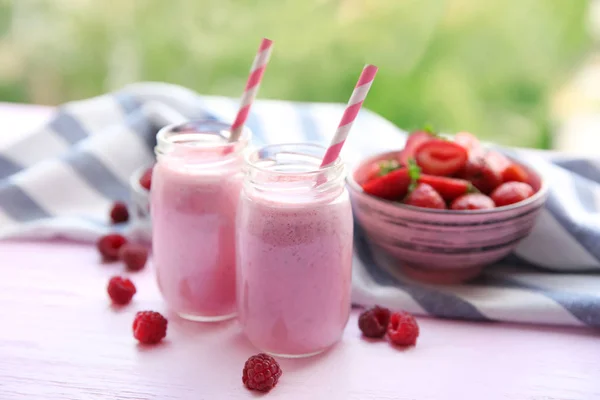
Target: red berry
point(120, 290)
point(149, 327)
point(134, 256)
point(109, 245)
point(473, 201)
point(448, 188)
point(373, 322)
point(470, 143)
point(515, 173)
point(119, 212)
point(261, 372)
point(403, 329)
point(481, 174)
point(146, 179)
point(414, 140)
point(511, 192)
point(425, 196)
point(392, 186)
point(497, 161)
point(440, 157)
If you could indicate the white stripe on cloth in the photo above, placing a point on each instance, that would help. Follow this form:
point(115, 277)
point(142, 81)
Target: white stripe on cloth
point(37, 147)
point(58, 189)
point(551, 246)
point(120, 150)
point(97, 113)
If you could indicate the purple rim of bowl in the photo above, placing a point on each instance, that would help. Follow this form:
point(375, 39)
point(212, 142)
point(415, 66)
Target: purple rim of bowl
point(540, 193)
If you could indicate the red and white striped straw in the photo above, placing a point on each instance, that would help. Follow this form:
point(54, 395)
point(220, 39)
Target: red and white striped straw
point(256, 74)
point(354, 104)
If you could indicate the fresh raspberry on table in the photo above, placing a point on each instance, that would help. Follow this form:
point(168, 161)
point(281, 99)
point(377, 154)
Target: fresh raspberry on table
point(119, 212)
point(473, 201)
point(261, 372)
point(134, 256)
point(425, 196)
point(511, 193)
point(146, 179)
point(120, 290)
point(403, 329)
point(109, 246)
point(373, 322)
point(149, 327)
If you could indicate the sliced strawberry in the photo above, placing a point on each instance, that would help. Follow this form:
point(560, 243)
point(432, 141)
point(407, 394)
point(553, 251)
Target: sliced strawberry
point(516, 173)
point(425, 196)
point(473, 201)
point(414, 140)
point(440, 157)
point(448, 188)
point(470, 143)
point(392, 186)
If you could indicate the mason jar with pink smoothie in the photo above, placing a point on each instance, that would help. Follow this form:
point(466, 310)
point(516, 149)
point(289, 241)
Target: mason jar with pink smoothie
point(196, 186)
point(294, 251)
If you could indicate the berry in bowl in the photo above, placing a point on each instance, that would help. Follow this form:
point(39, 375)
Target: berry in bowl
point(442, 209)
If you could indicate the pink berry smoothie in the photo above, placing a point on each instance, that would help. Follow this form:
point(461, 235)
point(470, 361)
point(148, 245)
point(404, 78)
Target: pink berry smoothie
point(194, 199)
point(294, 272)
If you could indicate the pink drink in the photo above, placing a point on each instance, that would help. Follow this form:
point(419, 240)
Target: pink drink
point(294, 262)
point(195, 191)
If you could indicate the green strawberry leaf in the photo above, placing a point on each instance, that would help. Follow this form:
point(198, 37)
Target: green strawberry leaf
point(414, 172)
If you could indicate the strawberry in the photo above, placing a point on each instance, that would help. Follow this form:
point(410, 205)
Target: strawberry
point(470, 143)
point(481, 174)
point(516, 173)
point(473, 201)
point(448, 188)
point(425, 196)
point(392, 186)
point(511, 192)
point(497, 161)
point(414, 140)
point(440, 157)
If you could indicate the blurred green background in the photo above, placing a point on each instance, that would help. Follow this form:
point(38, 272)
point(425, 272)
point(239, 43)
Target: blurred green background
point(491, 67)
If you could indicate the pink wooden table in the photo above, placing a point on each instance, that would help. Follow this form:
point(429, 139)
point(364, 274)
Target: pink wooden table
point(60, 339)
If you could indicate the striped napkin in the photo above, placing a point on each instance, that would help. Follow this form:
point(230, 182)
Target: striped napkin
point(61, 181)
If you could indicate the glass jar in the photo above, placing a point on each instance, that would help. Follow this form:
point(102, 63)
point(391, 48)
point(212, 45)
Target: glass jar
point(196, 185)
point(294, 246)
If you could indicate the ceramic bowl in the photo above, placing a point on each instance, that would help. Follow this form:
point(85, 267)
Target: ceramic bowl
point(442, 246)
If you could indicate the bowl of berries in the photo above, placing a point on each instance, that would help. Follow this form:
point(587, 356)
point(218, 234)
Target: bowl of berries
point(444, 208)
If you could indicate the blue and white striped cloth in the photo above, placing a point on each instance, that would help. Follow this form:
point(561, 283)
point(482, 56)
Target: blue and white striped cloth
point(61, 181)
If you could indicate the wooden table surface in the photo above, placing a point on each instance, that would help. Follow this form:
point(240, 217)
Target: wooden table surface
point(61, 339)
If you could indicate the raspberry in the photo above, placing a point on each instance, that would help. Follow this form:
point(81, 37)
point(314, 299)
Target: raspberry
point(119, 212)
point(146, 179)
point(120, 290)
point(403, 329)
point(425, 196)
point(374, 322)
point(261, 372)
point(134, 256)
point(149, 327)
point(109, 245)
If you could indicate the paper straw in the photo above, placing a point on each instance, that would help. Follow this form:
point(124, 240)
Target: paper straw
point(354, 104)
point(256, 74)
